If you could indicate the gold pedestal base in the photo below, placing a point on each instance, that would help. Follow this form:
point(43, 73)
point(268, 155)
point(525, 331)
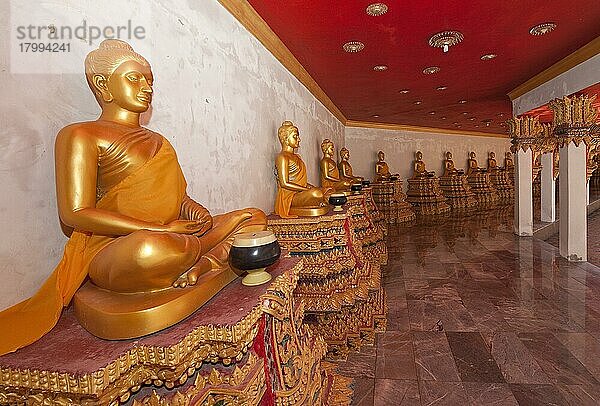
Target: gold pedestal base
point(256, 277)
point(309, 211)
point(118, 316)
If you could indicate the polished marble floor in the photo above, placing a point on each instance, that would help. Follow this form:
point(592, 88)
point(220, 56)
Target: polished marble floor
point(480, 317)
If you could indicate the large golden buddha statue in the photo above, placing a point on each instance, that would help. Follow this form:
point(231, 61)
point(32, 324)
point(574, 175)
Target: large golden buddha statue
point(152, 254)
point(382, 170)
point(330, 175)
point(345, 167)
point(449, 168)
point(419, 170)
point(295, 196)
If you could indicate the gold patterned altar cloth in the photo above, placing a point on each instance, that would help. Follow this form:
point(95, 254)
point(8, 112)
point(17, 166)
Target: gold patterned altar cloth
point(246, 346)
point(340, 284)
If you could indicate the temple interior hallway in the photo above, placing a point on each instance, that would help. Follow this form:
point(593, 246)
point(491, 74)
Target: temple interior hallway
point(480, 317)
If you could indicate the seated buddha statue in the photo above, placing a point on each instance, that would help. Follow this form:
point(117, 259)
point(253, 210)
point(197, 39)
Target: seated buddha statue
point(492, 164)
point(345, 167)
point(508, 161)
point(419, 170)
point(295, 196)
point(382, 170)
point(151, 253)
point(449, 168)
point(330, 175)
point(472, 166)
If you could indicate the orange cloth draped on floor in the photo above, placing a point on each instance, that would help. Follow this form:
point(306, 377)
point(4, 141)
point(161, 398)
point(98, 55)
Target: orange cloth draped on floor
point(153, 193)
point(283, 201)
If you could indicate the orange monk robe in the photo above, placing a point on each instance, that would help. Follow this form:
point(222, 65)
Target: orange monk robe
point(298, 175)
point(153, 193)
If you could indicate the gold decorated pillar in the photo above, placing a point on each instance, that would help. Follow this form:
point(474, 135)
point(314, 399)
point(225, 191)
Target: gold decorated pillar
point(547, 145)
point(524, 132)
point(575, 122)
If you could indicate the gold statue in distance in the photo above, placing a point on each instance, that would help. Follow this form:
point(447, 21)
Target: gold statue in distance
point(330, 175)
point(492, 164)
point(345, 167)
point(508, 161)
point(449, 168)
point(153, 255)
point(472, 165)
point(419, 170)
point(295, 196)
point(382, 170)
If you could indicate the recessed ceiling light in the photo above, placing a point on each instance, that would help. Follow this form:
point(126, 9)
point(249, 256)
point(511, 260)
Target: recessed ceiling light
point(462, 101)
point(500, 114)
point(442, 117)
point(404, 91)
point(476, 125)
point(472, 118)
point(380, 68)
point(375, 115)
point(487, 57)
point(441, 87)
point(377, 9)
point(432, 113)
point(353, 46)
point(445, 39)
point(487, 122)
point(542, 29)
point(418, 102)
point(465, 113)
point(431, 70)
point(458, 125)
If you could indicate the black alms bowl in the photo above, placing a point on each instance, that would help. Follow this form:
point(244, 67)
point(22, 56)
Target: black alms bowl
point(253, 251)
point(337, 199)
point(356, 187)
point(366, 183)
point(393, 178)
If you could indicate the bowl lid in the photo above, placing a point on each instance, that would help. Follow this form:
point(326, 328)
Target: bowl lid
point(254, 239)
point(337, 195)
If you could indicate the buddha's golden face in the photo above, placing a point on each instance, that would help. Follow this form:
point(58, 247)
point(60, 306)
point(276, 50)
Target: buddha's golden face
point(419, 155)
point(345, 154)
point(293, 138)
point(449, 155)
point(328, 148)
point(381, 156)
point(130, 86)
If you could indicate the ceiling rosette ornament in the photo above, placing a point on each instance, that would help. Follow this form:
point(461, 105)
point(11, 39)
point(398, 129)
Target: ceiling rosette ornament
point(575, 120)
point(525, 133)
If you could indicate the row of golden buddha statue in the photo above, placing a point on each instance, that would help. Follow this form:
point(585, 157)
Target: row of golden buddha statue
point(142, 256)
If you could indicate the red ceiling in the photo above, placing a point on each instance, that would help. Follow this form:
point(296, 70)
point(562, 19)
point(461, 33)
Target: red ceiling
point(315, 30)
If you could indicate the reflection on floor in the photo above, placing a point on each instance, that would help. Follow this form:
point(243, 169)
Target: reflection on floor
point(479, 317)
point(593, 233)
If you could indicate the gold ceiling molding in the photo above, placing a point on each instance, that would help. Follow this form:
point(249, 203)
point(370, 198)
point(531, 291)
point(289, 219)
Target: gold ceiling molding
point(249, 18)
point(400, 127)
point(581, 55)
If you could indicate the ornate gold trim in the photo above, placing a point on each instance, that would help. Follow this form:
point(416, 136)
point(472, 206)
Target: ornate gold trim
point(401, 127)
point(168, 366)
point(584, 53)
point(249, 18)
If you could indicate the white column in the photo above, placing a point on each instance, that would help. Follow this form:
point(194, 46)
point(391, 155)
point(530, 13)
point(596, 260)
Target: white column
point(548, 189)
point(573, 210)
point(523, 193)
point(587, 194)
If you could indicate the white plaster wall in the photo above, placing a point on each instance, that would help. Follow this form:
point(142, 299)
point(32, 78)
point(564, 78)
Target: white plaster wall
point(575, 79)
point(219, 98)
point(400, 147)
